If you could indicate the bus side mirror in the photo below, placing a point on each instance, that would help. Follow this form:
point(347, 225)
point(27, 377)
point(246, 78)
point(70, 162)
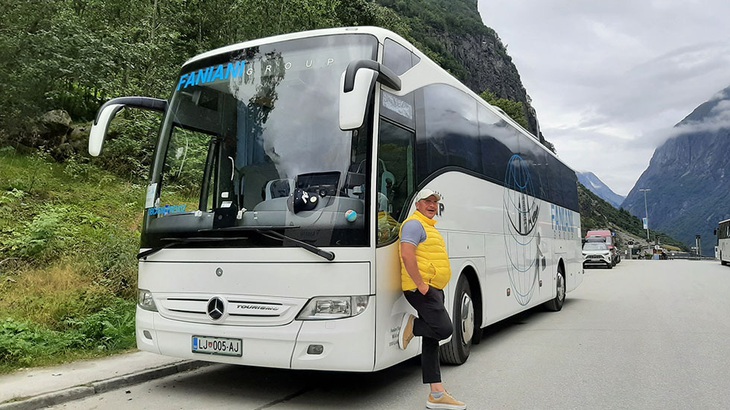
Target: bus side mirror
point(107, 112)
point(356, 86)
point(354, 103)
point(101, 126)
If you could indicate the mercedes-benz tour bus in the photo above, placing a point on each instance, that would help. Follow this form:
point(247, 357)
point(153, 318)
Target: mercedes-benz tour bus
point(283, 169)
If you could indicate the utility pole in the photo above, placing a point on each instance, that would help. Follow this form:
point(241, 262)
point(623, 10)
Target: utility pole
point(646, 212)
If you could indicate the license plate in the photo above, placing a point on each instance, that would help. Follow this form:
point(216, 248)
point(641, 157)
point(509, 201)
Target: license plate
point(217, 345)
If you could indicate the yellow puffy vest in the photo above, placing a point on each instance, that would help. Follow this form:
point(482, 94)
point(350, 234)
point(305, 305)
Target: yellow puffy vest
point(433, 261)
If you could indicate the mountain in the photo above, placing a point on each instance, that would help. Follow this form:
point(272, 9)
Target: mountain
point(595, 185)
point(689, 177)
point(453, 34)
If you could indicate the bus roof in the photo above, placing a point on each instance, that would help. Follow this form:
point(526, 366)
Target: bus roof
point(378, 32)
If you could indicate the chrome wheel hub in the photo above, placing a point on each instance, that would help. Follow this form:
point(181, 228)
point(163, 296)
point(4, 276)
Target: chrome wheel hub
point(467, 318)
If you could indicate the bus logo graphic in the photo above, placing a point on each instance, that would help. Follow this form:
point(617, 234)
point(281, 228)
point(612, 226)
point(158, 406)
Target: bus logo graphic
point(522, 240)
point(215, 308)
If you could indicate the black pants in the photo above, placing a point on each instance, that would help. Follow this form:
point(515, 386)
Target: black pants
point(433, 324)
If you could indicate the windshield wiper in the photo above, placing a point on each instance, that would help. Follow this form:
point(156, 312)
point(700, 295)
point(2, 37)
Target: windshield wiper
point(266, 231)
point(269, 232)
point(180, 241)
point(330, 256)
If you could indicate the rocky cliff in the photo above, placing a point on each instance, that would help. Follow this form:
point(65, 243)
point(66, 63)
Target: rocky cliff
point(689, 177)
point(453, 33)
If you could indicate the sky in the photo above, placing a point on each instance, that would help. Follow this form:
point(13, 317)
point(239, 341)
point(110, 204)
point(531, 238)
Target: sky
point(609, 79)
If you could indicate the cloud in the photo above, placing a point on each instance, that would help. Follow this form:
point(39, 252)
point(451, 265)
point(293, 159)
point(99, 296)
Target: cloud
point(609, 80)
point(717, 119)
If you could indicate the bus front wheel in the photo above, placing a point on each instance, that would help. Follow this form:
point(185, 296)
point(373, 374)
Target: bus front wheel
point(456, 351)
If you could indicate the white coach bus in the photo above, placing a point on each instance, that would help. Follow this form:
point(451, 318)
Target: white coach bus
point(282, 171)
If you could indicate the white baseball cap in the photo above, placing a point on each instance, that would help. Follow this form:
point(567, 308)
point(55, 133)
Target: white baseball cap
point(425, 193)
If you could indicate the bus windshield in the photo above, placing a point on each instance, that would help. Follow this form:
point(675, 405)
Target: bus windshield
point(251, 143)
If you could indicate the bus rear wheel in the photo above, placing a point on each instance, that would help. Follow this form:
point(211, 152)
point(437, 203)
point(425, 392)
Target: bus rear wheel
point(459, 347)
point(556, 304)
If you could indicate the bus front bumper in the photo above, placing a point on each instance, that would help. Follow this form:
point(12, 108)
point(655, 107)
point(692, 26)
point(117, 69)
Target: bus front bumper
point(346, 344)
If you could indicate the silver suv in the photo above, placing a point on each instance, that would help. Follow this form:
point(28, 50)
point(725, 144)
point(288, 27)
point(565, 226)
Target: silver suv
point(597, 254)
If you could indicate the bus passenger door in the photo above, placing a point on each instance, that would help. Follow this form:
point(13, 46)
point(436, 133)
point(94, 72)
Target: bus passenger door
point(395, 178)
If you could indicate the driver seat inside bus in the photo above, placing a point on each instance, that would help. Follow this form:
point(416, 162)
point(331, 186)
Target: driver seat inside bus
point(278, 188)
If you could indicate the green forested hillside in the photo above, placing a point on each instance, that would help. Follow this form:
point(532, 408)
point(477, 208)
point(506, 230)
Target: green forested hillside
point(74, 55)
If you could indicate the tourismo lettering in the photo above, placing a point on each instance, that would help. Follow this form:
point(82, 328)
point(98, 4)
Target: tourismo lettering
point(212, 74)
point(166, 210)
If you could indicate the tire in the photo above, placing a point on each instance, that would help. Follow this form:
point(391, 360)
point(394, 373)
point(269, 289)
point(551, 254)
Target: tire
point(556, 304)
point(609, 266)
point(457, 350)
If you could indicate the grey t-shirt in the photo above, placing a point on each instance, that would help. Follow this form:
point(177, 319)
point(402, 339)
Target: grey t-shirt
point(413, 233)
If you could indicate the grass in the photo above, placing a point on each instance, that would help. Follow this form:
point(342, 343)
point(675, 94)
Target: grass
point(69, 234)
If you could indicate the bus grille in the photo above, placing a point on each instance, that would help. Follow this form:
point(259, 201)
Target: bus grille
point(229, 310)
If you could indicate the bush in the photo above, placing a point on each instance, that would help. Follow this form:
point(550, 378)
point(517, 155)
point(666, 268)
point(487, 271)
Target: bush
point(112, 328)
point(25, 344)
point(47, 235)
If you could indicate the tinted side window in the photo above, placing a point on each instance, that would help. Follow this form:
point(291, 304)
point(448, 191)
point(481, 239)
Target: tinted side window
point(498, 143)
point(569, 187)
point(396, 57)
point(554, 174)
point(395, 167)
point(448, 133)
point(536, 160)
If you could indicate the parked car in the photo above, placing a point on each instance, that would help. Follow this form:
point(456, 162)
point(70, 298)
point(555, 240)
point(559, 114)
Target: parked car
point(615, 254)
point(597, 254)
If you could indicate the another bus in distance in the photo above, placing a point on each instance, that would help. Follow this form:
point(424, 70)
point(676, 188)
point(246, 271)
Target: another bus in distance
point(283, 169)
point(723, 241)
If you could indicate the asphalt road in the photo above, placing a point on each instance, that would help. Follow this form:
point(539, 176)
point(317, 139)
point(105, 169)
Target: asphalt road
point(644, 335)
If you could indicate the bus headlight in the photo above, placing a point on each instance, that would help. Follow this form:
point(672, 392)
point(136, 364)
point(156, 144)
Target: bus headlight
point(333, 307)
point(145, 301)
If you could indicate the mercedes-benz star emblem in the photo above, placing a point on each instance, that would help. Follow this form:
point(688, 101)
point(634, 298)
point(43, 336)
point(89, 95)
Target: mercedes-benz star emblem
point(215, 308)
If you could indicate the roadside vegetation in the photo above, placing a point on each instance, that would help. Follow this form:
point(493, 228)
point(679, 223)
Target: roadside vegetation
point(68, 241)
